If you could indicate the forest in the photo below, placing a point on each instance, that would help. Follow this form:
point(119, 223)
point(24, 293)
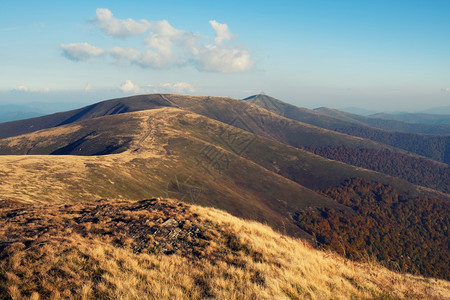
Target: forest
point(416, 170)
point(433, 146)
point(406, 235)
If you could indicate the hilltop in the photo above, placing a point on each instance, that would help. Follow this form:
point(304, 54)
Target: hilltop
point(161, 249)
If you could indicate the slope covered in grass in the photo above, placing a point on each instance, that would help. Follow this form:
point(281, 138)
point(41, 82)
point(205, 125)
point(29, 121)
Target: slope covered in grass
point(161, 249)
point(175, 153)
point(261, 121)
point(435, 147)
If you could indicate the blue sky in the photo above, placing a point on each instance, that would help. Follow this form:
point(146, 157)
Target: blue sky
point(380, 55)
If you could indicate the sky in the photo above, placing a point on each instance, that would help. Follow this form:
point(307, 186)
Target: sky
point(383, 55)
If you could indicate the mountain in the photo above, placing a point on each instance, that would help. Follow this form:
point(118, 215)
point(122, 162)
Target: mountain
point(18, 115)
point(436, 147)
point(438, 110)
point(235, 156)
point(110, 107)
point(390, 123)
point(165, 249)
point(199, 153)
point(149, 142)
point(433, 119)
point(358, 111)
point(261, 122)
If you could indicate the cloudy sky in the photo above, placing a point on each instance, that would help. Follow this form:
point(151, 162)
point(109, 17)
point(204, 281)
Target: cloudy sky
point(382, 55)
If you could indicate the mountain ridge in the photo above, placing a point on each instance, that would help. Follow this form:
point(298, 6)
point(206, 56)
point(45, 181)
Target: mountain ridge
point(224, 153)
point(432, 146)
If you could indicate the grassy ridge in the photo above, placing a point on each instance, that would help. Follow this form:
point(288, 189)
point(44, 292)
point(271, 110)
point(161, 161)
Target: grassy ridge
point(161, 249)
point(178, 154)
point(170, 161)
point(431, 146)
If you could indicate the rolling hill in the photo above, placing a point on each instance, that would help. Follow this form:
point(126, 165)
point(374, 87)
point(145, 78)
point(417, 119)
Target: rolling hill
point(422, 118)
point(216, 152)
point(261, 122)
point(163, 157)
point(436, 147)
point(396, 122)
point(194, 147)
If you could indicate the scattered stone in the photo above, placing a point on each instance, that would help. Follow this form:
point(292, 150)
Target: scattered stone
point(170, 222)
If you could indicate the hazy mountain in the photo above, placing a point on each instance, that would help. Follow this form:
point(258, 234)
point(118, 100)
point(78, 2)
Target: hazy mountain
point(442, 110)
point(13, 112)
point(392, 124)
point(432, 146)
point(358, 111)
point(17, 112)
point(18, 115)
point(434, 119)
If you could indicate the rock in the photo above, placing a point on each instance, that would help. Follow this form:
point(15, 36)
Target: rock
point(170, 222)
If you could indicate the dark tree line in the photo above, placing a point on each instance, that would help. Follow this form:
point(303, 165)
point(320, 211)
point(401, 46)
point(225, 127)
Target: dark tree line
point(436, 147)
point(413, 169)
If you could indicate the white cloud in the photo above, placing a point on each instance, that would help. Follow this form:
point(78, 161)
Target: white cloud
point(166, 46)
point(225, 60)
point(81, 51)
point(130, 87)
point(222, 32)
point(124, 56)
point(88, 87)
point(179, 87)
point(22, 88)
point(117, 27)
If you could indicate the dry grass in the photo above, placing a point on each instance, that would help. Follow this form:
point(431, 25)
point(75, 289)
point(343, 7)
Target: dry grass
point(163, 249)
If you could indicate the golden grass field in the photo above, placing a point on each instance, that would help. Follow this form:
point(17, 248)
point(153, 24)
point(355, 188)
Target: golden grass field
point(164, 249)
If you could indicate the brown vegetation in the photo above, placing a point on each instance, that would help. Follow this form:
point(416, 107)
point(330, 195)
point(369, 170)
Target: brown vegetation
point(410, 235)
point(414, 169)
point(161, 249)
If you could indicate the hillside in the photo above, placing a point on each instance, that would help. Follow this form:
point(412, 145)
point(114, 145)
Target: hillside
point(167, 132)
point(384, 225)
point(161, 249)
point(253, 119)
point(174, 153)
point(436, 147)
point(423, 118)
point(167, 155)
point(110, 107)
point(409, 123)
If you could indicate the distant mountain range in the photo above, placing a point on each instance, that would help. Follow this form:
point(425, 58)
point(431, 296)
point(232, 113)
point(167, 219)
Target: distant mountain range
point(13, 112)
point(424, 118)
point(259, 158)
point(441, 110)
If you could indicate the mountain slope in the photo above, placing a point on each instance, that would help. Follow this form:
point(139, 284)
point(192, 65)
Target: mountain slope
point(163, 249)
point(258, 121)
point(176, 153)
point(110, 107)
point(171, 133)
point(423, 118)
point(164, 157)
point(391, 123)
point(435, 147)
